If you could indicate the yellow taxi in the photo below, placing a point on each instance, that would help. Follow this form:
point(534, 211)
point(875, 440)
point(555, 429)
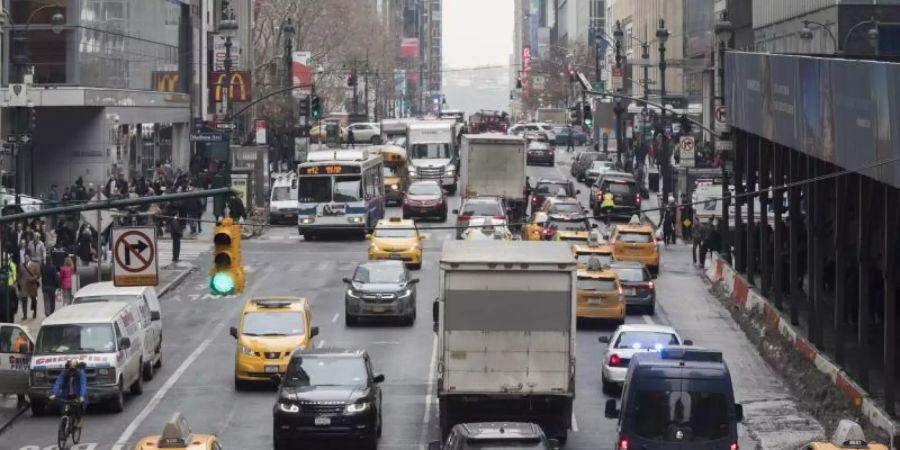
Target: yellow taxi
point(848, 435)
point(534, 229)
point(269, 329)
point(600, 295)
point(177, 434)
point(398, 239)
point(636, 242)
point(595, 247)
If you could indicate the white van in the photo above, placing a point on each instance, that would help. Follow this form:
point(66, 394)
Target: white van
point(283, 202)
point(106, 337)
point(145, 299)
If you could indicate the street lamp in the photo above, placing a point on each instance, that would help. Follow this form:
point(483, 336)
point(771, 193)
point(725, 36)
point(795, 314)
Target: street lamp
point(873, 35)
point(806, 33)
point(724, 32)
point(662, 35)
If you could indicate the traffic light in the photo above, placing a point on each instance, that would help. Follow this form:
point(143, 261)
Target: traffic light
point(574, 115)
point(32, 119)
point(227, 273)
point(303, 108)
point(316, 107)
point(588, 115)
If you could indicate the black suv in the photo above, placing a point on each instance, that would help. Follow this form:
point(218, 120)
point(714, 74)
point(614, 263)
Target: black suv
point(506, 435)
point(328, 394)
point(625, 191)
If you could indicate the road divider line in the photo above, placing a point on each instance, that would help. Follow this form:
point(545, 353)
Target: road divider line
point(574, 423)
point(429, 396)
point(336, 317)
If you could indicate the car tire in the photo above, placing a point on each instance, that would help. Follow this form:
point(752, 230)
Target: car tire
point(372, 442)
point(350, 320)
point(443, 216)
point(651, 310)
point(240, 385)
point(147, 371)
point(410, 319)
point(158, 363)
point(137, 388)
point(117, 403)
point(282, 444)
point(606, 386)
point(38, 407)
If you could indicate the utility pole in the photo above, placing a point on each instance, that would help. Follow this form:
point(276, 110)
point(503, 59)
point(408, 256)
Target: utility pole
point(289, 30)
point(366, 82)
point(353, 84)
point(662, 34)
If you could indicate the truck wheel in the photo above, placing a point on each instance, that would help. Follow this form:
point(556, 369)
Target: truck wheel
point(375, 140)
point(451, 190)
point(117, 403)
point(147, 371)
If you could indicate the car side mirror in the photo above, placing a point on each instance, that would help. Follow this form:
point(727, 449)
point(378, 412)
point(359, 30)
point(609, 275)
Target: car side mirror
point(233, 332)
point(124, 343)
point(594, 226)
point(688, 342)
point(378, 378)
point(455, 212)
point(611, 411)
point(154, 315)
point(346, 280)
point(554, 444)
point(603, 339)
point(276, 379)
point(314, 332)
point(434, 445)
point(413, 281)
point(739, 412)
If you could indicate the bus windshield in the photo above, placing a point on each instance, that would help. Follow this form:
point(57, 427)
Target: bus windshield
point(430, 151)
point(347, 188)
point(314, 189)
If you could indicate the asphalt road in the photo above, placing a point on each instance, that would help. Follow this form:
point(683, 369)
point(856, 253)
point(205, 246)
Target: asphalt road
point(197, 379)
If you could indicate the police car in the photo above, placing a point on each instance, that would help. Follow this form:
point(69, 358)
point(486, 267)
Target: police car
point(628, 340)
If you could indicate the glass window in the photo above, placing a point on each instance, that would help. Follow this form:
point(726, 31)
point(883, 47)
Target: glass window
point(632, 237)
point(620, 188)
point(565, 208)
point(391, 232)
point(6, 339)
point(645, 339)
point(75, 338)
point(273, 324)
point(283, 193)
point(692, 416)
point(597, 285)
point(482, 209)
point(389, 171)
point(424, 189)
point(604, 258)
point(430, 151)
point(631, 274)
point(314, 370)
point(379, 273)
point(347, 188)
point(314, 189)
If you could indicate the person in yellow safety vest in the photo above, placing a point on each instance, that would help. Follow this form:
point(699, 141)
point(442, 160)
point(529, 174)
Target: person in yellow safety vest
point(607, 205)
point(12, 279)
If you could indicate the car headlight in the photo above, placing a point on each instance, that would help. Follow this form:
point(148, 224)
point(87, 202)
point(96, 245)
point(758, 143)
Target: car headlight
point(451, 170)
point(351, 294)
point(245, 350)
point(356, 408)
point(405, 293)
point(373, 248)
point(288, 407)
point(307, 220)
point(356, 219)
point(395, 187)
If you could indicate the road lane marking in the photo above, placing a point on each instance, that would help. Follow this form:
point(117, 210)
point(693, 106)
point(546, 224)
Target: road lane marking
point(157, 398)
point(336, 317)
point(429, 397)
point(574, 423)
point(648, 320)
point(320, 344)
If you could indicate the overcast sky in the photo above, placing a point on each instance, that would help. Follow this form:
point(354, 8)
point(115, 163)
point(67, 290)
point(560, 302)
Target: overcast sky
point(477, 32)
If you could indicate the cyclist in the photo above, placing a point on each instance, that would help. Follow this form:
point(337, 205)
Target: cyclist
point(71, 384)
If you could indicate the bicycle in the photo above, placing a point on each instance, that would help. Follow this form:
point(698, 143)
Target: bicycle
point(67, 424)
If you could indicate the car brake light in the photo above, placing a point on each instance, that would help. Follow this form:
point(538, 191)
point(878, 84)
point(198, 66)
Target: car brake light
point(614, 360)
point(649, 285)
point(734, 446)
point(464, 217)
point(497, 216)
point(623, 444)
point(637, 198)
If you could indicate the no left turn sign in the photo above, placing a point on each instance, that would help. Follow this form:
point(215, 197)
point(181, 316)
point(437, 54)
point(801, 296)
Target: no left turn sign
point(134, 256)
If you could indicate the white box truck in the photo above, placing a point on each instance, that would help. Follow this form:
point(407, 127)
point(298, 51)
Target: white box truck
point(506, 334)
point(431, 146)
point(493, 165)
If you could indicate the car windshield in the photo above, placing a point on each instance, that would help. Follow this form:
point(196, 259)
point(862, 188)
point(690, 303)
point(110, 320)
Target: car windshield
point(565, 208)
point(645, 340)
point(632, 237)
point(424, 189)
point(537, 145)
point(681, 416)
point(76, 338)
point(314, 189)
point(379, 273)
point(399, 142)
point(590, 157)
point(596, 284)
point(620, 188)
point(394, 232)
point(552, 188)
point(604, 258)
point(283, 193)
point(631, 274)
point(547, 127)
point(430, 151)
point(273, 324)
point(311, 370)
point(601, 165)
point(347, 188)
point(482, 209)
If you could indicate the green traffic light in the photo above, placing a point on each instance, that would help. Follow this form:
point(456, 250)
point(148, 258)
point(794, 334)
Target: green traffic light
point(588, 122)
point(221, 284)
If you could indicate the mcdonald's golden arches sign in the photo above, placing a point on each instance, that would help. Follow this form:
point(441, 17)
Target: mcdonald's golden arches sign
point(241, 89)
point(165, 81)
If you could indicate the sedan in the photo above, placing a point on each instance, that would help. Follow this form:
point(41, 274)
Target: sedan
point(625, 342)
point(425, 199)
point(382, 289)
point(363, 133)
point(597, 169)
point(640, 292)
point(540, 152)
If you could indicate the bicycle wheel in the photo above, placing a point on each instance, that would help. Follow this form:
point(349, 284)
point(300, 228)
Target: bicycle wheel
point(62, 434)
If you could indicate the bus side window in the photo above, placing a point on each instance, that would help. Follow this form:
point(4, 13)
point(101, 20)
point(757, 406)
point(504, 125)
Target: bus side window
point(369, 184)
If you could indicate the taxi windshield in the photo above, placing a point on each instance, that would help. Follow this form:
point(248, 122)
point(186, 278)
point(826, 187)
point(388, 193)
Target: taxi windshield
point(633, 237)
point(390, 171)
point(627, 274)
point(273, 323)
point(313, 370)
point(564, 225)
point(391, 232)
point(596, 285)
point(75, 338)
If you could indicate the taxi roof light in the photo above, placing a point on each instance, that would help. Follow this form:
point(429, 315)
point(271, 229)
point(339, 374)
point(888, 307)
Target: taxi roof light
point(635, 220)
point(267, 303)
point(595, 238)
point(849, 434)
point(176, 433)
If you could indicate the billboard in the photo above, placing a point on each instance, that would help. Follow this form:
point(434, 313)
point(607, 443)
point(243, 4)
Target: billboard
point(302, 71)
point(164, 81)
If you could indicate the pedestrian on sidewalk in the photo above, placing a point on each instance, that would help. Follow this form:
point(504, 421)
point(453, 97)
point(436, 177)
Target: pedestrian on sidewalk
point(176, 230)
point(570, 145)
point(66, 272)
point(86, 241)
point(9, 303)
point(49, 285)
point(351, 140)
point(37, 250)
point(29, 281)
point(669, 223)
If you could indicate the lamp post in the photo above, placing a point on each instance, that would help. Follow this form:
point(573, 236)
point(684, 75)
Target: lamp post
point(724, 32)
point(288, 31)
point(872, 35)
point(619, 107)
point(662, 35)
point(806, 33)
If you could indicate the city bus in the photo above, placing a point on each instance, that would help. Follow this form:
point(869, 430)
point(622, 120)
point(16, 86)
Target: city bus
point(340, 192)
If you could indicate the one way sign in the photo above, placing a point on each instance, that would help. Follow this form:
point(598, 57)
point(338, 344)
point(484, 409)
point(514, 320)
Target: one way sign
point(135, 260)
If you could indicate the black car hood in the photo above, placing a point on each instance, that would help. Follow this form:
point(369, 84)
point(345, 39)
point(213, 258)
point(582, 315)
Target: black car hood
point(344, 394)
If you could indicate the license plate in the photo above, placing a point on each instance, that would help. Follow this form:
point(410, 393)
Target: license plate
point(271, 369)
point(378, 309)
point(632, 291)
point(395, 256)
point(323, 421)
point(595, 301)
